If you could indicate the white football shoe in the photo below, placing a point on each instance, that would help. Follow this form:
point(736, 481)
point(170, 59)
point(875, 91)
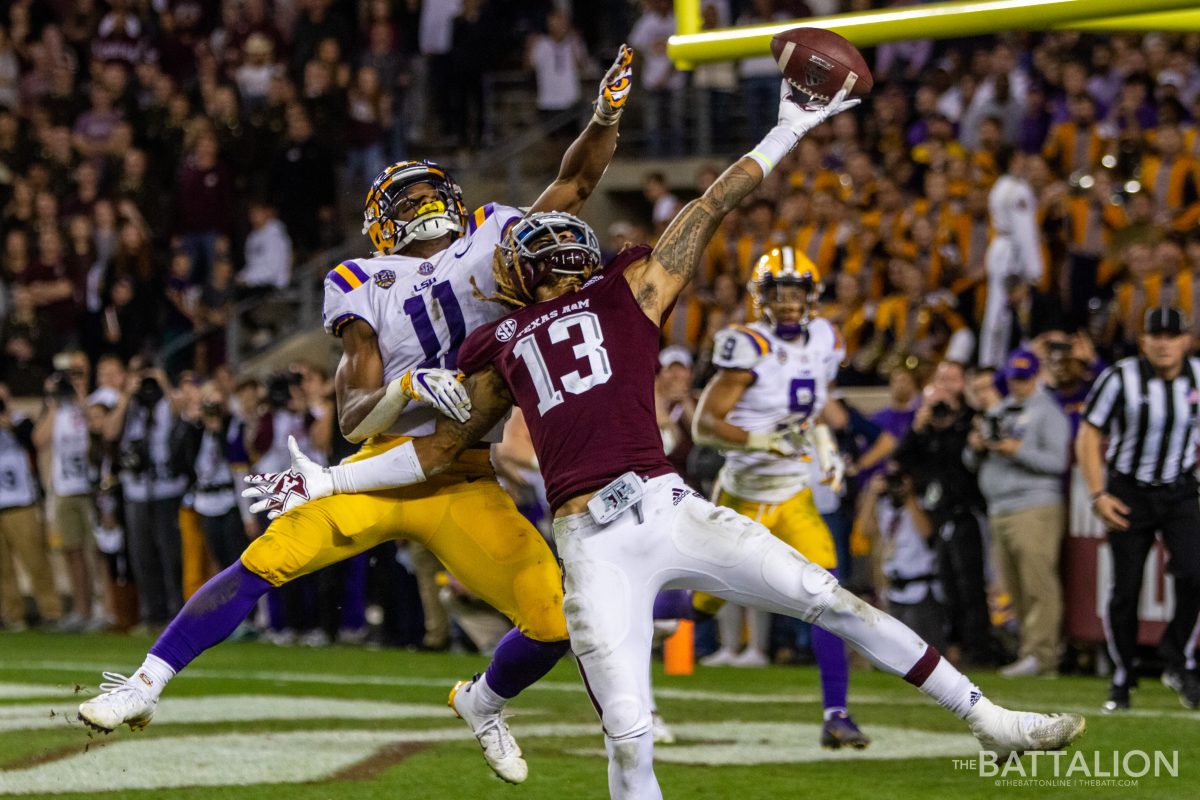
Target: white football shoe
point(721, 658)
point(500, 749)
point(124, 701)
point(1003, 731)
point(660, 730)
point(751, 658)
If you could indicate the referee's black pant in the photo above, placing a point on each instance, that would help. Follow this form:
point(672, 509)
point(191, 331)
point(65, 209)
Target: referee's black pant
point(1173, 511)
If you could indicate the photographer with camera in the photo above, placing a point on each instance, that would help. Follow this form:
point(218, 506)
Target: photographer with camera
point(932, 454)
point(903, 553)
point(215, 462)
point(1021, 450)
point(140, 424)
point(22, 535)
point(62, 430)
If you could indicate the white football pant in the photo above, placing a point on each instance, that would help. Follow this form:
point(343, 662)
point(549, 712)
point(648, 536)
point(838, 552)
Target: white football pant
point(612, 574)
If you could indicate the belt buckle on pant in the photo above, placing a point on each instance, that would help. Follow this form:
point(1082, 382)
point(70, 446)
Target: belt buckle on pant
point(617, 497)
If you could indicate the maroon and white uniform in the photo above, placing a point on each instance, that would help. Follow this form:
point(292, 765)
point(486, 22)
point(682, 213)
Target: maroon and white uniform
point(581, 367)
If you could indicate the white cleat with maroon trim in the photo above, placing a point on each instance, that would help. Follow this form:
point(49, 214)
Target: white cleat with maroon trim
point(1003, 731)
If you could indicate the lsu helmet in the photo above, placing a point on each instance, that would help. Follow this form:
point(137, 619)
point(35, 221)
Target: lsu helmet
point(543, 244)
point(434, 218)
point(783, 266)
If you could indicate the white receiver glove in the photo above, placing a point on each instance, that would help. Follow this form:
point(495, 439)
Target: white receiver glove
point(795, 120)
point(277, 492)
point(440, 388)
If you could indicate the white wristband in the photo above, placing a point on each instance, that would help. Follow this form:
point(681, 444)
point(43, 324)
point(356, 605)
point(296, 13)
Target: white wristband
point(778, 142)
point(389, 470)
point(759, 440)
point(825, 445)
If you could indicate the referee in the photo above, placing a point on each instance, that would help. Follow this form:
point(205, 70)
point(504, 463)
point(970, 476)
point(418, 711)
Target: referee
point(1149, 406)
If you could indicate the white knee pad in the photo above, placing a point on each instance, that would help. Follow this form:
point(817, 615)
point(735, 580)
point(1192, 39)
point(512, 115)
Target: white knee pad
point(794, 576)
point(625, 718)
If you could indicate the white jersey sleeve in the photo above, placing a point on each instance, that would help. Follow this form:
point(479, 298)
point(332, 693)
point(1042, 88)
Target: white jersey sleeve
point(738, 347)
point(347, 298)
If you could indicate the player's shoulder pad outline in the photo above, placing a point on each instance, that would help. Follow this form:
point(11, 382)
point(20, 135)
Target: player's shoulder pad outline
point(348, 276)
point(739, 347)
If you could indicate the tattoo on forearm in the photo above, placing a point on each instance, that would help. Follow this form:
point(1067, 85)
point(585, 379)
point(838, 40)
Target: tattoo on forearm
point(682, 245)
point(490, 401)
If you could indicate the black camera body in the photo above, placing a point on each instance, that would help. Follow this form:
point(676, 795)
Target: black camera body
point(993, 428)
point(148, 393)
point(279, 392)
point(61, 388)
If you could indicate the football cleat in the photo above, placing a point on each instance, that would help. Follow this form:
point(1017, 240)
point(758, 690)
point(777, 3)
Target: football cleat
point(1183, 683)
point(1003, 731)
point(1118, 699)
point(721, 658)
point(123, 701)
point(500, 749)
point(751, 658)
point(660, 730)
point(840, 731)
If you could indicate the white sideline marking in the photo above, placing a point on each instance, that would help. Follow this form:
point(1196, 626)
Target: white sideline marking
point(229, 759)
point(230, 708)
point(739, 743)
point(17, 691)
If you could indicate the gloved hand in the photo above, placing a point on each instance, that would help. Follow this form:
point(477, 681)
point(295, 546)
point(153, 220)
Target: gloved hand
point(614, 88)
point(440, 388)
point(279, 492)
point(829, 458)
point(803, 117)
point(787, 442)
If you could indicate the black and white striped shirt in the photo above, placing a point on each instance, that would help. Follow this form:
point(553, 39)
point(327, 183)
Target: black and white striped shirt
point(1152, 424)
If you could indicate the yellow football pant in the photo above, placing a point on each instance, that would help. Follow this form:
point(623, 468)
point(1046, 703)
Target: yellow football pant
point(462, 516)
point(795, 521)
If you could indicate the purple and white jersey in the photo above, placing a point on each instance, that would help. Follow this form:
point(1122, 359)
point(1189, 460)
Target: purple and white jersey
point(422, 309)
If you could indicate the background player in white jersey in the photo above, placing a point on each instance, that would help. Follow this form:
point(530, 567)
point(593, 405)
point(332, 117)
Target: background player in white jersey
point(1015, 249)
point(763, 408)
point(578, 355)
point(401, 314)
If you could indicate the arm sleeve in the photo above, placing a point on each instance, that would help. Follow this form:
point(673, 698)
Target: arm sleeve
point(739, 348)
point(347, 298)
point(1104, 400)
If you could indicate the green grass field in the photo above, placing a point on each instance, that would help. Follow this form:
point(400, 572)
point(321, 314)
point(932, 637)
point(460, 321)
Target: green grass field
point(251, 721)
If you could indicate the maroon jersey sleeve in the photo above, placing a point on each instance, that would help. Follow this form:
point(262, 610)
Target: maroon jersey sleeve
point(480, 348)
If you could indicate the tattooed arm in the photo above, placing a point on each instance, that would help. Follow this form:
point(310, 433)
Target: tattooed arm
point(661, 276)
point(490, 403)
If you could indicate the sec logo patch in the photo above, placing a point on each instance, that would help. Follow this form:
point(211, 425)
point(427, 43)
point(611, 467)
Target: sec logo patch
point(425, 269)
point(506, 329)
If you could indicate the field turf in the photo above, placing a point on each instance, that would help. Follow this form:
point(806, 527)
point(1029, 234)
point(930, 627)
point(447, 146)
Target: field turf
point(257, 722)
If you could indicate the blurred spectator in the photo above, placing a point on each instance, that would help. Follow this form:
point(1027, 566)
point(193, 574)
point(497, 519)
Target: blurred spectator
point(268, 251)
point(22, 534)
point(204, 199)
point(257, 71)
point(368, 115)
point(932, 454)
point(1071, 366)
point(1020, 450)
point(436, 38)
point(664, 205)
point(904, 553)
point(140, 425)
point(675, 404)
point(62, 434)
point(27, 344)
point(759, 76)
point(714, 87)
point(662, 89)
point(301, 182)
point(558, 60)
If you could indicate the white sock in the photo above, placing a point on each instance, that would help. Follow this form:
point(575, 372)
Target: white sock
point(951, 689)
point(154, 674)
point(487, 700)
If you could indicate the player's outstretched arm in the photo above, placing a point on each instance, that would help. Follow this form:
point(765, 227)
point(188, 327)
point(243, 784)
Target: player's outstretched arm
point(588, 157)
point(711, 427)
point(367, 406)
point(409, 463)
point(658, 280)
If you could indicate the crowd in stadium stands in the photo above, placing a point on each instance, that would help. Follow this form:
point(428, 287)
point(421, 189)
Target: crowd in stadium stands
point(160, 160)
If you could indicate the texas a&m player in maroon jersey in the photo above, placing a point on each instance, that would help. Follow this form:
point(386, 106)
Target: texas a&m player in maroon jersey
point(578, 356)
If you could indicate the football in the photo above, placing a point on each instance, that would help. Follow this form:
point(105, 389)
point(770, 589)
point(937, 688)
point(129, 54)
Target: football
point(818, 63)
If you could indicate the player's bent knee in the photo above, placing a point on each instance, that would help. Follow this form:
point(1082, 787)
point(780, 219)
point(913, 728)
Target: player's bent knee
point(280, 554)
point(625, 718)
point(548, 625)
point(797, 578)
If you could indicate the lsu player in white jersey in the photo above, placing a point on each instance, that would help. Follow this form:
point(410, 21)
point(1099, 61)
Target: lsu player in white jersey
point(764, 409)
point(401, 315)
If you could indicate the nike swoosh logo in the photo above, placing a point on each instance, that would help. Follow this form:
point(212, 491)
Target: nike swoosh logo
point(465, 249)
